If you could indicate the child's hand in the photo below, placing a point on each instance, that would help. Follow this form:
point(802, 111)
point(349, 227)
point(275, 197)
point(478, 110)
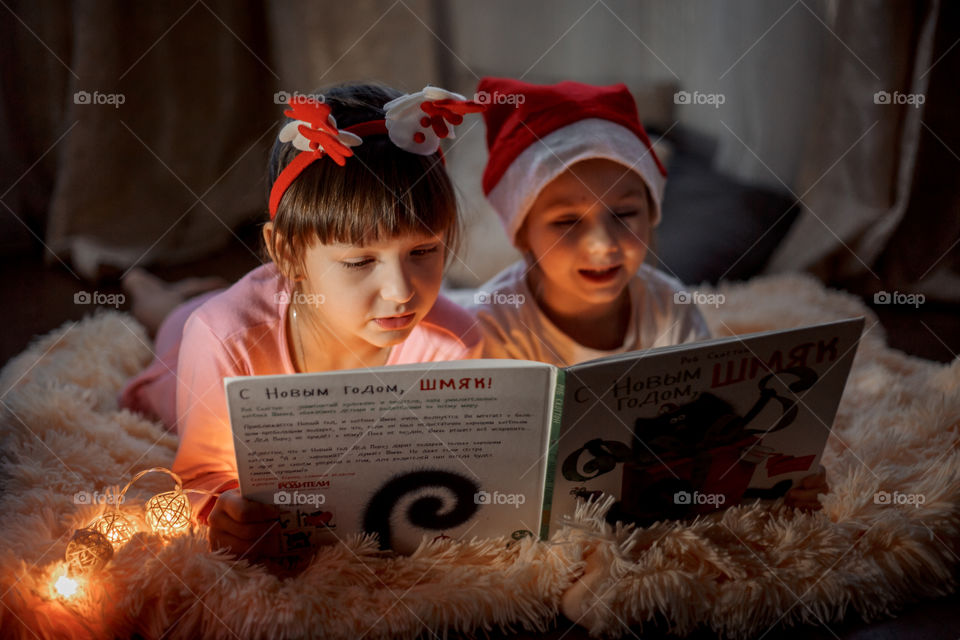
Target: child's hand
point(243, 527)
point(579, 602)
point(805, 496)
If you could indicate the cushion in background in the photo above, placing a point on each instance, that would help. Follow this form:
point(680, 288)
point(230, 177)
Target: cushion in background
point(715, 227)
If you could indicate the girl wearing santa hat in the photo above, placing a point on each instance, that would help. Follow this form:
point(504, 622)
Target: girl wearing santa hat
point(578, 187)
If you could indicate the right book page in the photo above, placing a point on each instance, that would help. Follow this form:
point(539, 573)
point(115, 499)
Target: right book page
point(685, 430)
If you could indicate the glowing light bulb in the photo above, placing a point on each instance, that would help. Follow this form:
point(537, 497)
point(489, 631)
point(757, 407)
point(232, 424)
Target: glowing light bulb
point(115, 527)
point(168, 512)
point(66, 586)
point(65, 583)
point(87, 551)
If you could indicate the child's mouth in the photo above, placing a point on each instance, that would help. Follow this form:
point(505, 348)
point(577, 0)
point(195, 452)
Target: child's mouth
point(601, 276)
point(392, 323)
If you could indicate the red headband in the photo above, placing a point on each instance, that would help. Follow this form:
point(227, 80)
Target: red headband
point(315, 133)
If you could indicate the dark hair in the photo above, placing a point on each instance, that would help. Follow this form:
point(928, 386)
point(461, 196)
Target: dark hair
point(381, 192)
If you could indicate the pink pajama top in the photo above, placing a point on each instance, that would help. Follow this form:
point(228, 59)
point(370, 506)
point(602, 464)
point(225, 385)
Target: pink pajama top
point(243, 331)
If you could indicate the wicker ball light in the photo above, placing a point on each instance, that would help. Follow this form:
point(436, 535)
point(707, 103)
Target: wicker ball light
point(168, 512)
point(88, 550)
point(92, 547)
point(115, 526)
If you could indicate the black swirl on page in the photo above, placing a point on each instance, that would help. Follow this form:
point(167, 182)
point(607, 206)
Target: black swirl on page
point(426, 511)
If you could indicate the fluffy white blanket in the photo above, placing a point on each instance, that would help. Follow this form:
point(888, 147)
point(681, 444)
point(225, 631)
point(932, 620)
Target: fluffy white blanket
point(738, 572)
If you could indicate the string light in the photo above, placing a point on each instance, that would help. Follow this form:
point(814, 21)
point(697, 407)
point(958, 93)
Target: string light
point(66, 586)
point(92, 547)
point(115, 526)
point(168, 512)
point(88, 550)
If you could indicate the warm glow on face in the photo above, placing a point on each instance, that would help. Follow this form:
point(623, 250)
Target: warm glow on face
point(362, 298)
point(586, 235)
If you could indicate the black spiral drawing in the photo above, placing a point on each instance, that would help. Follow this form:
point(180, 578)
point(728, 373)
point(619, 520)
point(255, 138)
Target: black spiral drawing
point(426, 511)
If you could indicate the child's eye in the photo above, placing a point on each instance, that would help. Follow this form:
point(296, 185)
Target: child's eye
point(425, 251)
point(630, 213)
point(565, 221)
point(357, 264)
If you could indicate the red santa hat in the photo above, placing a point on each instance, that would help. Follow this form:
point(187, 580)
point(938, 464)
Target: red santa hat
point(536, 132)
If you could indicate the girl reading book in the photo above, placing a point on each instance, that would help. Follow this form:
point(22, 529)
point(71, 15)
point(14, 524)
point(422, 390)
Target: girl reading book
point(362, 218)
point(578, 187)
point(576, 182)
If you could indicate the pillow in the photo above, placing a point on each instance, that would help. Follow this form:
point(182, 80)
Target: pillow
point(713, 225)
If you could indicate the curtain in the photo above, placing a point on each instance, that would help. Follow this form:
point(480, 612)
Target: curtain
point(165, 175)
point(878, 184)
point(138, 133)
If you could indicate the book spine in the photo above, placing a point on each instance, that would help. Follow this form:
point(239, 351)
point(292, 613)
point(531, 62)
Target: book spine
point(556, 417)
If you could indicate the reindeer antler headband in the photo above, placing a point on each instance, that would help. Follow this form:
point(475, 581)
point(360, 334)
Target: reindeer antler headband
point(415, 122)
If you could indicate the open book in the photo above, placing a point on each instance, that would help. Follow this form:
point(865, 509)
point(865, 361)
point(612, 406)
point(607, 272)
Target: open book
point(481, 448)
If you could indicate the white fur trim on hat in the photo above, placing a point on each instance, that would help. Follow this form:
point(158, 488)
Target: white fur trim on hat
point(544, 160)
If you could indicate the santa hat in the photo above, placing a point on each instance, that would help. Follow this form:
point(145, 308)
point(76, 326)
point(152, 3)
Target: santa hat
point(536, 132)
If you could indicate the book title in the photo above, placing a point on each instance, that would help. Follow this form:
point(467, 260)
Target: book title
point(749, 367)
point(681, 386)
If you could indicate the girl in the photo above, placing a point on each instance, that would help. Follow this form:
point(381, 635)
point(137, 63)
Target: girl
point(575, 181)
point(362, 217)
point(577, 185)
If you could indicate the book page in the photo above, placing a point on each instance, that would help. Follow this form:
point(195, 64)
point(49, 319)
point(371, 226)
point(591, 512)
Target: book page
point(440, 449)
point(690, 429)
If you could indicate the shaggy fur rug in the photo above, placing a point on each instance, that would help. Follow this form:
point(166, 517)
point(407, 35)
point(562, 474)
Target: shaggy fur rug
point(737, 572)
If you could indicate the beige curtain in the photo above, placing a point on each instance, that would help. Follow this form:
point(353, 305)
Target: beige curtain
point(878, 182)
point(165, 176)
point(152, 121)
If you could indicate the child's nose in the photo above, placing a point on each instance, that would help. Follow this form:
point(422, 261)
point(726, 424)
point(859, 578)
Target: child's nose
point(600, 238)
point(397, 286)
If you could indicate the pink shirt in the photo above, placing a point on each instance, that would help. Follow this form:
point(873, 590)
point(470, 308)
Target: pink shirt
point(243, 331)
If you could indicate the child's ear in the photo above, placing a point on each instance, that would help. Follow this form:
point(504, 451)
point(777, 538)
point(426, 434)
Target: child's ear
point(268, 233)
point(522, 244)
point(520, 239)
point(279, 251)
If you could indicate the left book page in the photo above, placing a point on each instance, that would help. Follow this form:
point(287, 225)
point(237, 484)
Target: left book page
point(456, 449)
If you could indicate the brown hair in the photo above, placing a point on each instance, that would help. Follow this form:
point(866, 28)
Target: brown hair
point(382, 191)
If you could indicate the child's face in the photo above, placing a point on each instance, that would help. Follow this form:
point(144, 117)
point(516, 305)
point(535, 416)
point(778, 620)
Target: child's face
point(587, 233)
point(374, 294)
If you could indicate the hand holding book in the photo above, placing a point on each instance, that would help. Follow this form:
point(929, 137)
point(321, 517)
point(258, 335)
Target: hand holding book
point(244, 527)
point(806, 495)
